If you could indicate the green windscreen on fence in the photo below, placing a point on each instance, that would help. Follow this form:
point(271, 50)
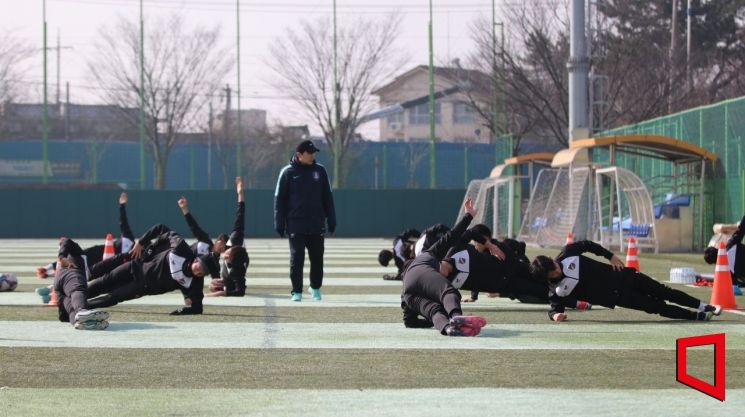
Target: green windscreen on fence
point(719, 128)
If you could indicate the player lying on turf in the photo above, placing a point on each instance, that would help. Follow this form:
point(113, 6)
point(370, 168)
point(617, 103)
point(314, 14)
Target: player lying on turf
point(230, 280)
point(735, 254)
point(93, 254)
point(572, 274)
point(517, 283)
point(403, 250)
point(429, 236)
point(427, 291)
point(159, 267)
point(71, 286)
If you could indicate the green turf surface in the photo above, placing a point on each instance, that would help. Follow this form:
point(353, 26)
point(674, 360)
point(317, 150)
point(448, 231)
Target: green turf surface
point(352, 368)
point(296, 360)
point(462, 402)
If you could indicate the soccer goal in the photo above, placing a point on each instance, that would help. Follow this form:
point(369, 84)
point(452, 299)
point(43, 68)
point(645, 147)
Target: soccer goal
point(559, 204)
point(493, 199)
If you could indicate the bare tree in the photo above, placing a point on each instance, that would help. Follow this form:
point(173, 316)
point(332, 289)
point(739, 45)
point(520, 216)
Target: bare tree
point(303, 62)
point(526, 70)
point(14, 53)
point(183, 67)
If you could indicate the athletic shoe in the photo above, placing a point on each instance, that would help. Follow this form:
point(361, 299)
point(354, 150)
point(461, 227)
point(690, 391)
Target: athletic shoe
point(714, 309)
point(704, 315)
point(465, 326)
point(471, 321)
point(92, 325)
point(387, 277)
point(583, 305)
point(45, 294)
point(296, 296)
point(315, 293)
point(91, 315)
point(463, 330)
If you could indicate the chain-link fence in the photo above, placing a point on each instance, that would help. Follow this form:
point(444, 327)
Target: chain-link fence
point(719, 128)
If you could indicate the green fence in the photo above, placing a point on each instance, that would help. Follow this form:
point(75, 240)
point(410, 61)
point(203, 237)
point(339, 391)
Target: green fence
point(719, 128)
point(93, 213)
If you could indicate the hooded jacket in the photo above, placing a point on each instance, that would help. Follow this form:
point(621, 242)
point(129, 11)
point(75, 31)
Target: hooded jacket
point(303, 203)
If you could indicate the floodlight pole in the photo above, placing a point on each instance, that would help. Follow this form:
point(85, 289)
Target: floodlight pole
point(337, 110)
point(45, 114)
point(142, 98)
point(432, 138)
point(238, 140)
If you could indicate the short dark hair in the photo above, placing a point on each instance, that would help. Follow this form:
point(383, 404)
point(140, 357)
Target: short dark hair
point(482, 229)
point(384, 257)
point(710, 255)
point(541, 266)
point(223, 237)
point(517, 247)
point(407, 250)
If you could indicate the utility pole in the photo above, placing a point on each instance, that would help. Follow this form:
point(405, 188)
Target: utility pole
point(226, 125)
point(673, 47)
point(689, 36)
point(209, 145)
point(239, 133)
point(578, 66)
point(337, 110)
point(45, 115)
point(142, 99)
point(432, 138)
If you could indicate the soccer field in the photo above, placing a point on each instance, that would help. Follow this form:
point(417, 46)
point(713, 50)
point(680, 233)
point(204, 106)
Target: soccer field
point(349, 355)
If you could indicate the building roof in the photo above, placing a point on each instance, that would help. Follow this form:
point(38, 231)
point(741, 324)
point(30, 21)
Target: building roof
point(454, 74)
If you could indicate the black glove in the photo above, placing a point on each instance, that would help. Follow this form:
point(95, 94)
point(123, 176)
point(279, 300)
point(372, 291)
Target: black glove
point(280, 232)
point(185, 311)
point(332, 228)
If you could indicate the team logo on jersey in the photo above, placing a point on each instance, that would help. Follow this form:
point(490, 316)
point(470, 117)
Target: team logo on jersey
point(461, 260)
point(316, 176)
point(571, 266)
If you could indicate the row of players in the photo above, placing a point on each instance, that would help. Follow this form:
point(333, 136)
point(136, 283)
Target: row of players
point(470, 259)
point(460, 258)
point(158, 262)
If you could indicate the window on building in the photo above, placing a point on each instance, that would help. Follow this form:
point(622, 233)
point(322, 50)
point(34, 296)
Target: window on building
point(395, 119)
point(462, 113)
point(419, 115)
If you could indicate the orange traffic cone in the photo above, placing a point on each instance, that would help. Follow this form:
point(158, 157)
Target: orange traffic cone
point(108, 248)
point(632, 258)
point(53, 300)
point(570, 238)
point(722, 293)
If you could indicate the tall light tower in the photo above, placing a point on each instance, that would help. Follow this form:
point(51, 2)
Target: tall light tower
point(578, 67)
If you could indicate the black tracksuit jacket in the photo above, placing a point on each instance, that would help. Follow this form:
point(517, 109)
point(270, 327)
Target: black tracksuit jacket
point(165, 266)
point(584, 278)
point(736, 254)
point(303, 203)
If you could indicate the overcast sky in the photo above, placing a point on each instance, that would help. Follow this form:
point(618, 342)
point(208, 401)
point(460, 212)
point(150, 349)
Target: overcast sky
point(261, 22)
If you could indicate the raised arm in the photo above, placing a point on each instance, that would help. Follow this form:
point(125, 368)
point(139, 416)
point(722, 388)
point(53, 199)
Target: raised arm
point(238, 233)
point(123, 222)
point(440, 248)
point(197, 231)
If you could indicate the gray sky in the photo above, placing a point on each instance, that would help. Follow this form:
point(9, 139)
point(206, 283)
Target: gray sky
point(261, 22)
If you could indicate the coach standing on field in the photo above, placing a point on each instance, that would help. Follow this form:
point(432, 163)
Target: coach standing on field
point(303, 206)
